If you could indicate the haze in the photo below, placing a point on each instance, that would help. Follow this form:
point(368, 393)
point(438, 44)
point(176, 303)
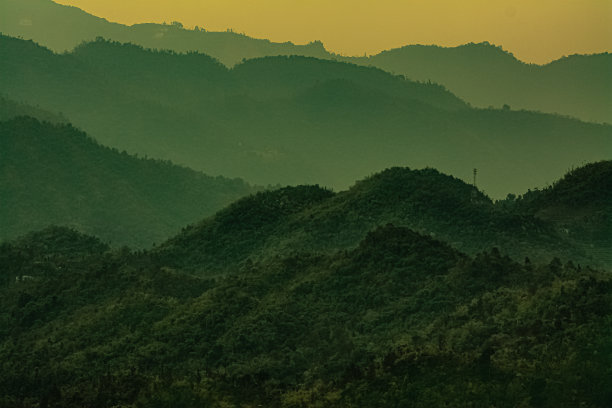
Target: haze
point(535, 32)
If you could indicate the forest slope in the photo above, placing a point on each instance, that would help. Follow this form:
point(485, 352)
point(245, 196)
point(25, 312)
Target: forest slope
point(309, 218)
point(401, 320)
point(579, 205)
point(55, 174)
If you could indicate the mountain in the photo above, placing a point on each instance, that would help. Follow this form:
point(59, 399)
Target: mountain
point(38, 20)
point(313, 219)
point(56, 174)
point(291, 120)
point(579, 205)
point(481, 74)
point(399, 320)
point(10, 109)
point(485, 75)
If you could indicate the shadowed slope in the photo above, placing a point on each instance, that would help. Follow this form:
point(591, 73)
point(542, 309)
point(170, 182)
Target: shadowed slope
point(55, 174)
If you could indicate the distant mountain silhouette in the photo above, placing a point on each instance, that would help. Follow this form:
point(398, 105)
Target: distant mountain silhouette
point(55, 174)
point(39, 19)
point(482, 74)
point(291, 120)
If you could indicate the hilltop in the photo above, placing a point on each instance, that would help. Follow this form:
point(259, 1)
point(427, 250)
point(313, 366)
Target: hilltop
point(56, 174)
point(579, 205)
point(301, 219)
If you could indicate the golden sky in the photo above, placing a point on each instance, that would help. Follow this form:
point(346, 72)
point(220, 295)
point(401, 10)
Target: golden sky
point(534, 30)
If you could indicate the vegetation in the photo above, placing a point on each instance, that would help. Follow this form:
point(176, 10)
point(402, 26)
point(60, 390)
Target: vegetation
point(401, 320)
point(486, 75)
point(301, 297)
point(290, 120)
point(411, 288)
point(578, 205)
point(482, 74)
point(55, 174)
point(296, 219)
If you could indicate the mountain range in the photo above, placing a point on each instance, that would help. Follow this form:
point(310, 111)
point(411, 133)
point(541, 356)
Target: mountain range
point(309, 218)
point(481, 74)
point(291, 120)
point(413, 246)
point(395, 317)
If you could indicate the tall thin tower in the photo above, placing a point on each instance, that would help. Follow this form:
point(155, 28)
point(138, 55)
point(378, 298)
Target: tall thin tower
point(475, 172)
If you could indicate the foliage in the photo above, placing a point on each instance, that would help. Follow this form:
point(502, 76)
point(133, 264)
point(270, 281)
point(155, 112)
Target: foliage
point(290, 119)
point(297, 219)
point(401, 320)
point(56, 174)
point(482, 74)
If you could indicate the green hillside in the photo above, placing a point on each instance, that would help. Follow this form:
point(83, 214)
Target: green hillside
point(482, 74)
point(401, 320)
point(310, 218)
point(579, 205)
point(56, 174)
point(291, 120)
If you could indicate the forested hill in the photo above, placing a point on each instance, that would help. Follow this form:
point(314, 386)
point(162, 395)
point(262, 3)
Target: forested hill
point(56, 174)
point(588, 185)
point(401, 320)
point(291, 120)
point(310, 218)
point(482, 74)
point(579, 205)
point(322, 302)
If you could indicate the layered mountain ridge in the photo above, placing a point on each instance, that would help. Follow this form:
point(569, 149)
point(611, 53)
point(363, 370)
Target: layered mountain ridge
point(482, 74)
point(291, 120)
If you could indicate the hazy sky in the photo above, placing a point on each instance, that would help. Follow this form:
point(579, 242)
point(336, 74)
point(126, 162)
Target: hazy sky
point(534, 30)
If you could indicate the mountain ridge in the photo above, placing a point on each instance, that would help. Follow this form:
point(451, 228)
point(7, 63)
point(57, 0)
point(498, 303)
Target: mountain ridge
point(428, 202)
point(554, 87)
point(288, 120)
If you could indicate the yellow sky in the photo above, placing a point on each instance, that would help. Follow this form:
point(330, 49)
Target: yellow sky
point(534, 30)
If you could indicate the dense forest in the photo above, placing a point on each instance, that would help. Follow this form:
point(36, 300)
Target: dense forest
point(295, 219)
point(56, 174)
point(382, 315)
point(399, 320)
point(482, 74)
point(204, 219)
point(291, 120)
